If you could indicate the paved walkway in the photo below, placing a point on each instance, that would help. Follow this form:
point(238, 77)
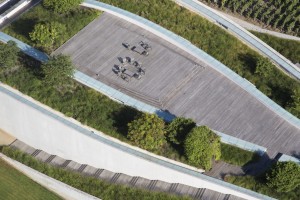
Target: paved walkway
point(203, 10)
point(253, 27)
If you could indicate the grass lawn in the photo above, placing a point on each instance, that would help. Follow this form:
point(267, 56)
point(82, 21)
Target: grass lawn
point(16, 186)
point(288, 48)
point(258, 184)
point(237, 156)
point(74, 22)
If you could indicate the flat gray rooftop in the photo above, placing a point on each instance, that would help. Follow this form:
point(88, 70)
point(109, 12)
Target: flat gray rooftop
point(177, 82)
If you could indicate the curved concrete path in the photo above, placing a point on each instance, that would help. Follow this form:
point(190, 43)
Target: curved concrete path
point(256, 28)
point(243, 34)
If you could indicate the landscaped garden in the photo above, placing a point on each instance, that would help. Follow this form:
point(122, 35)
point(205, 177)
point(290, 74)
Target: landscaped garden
point(52, 29)
point(16, 186)
point(282, 181)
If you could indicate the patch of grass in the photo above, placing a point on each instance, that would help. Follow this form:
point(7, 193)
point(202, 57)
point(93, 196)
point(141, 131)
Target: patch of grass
point(258, 184)
point(16, 186)
point(91, 185)
point(288, 48)
point(216, 42)
point(74, 22)
point(237, 156)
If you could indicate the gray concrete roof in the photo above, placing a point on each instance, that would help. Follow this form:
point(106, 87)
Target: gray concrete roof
point(175, 83)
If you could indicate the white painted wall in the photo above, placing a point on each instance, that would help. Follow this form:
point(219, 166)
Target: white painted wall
point(44, 132)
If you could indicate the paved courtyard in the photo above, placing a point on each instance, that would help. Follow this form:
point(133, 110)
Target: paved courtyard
point(179, 83)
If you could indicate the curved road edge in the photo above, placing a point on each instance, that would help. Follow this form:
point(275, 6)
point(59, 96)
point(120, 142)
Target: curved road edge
point(242, 33)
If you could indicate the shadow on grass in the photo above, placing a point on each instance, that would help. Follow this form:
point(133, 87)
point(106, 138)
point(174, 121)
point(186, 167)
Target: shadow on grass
point(23, 26)
point(249, 61)
point(122, 117)
point(32, 65)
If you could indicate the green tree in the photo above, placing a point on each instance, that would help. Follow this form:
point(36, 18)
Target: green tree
point(8, 54)
point(147, 132)
point(201, 146)
point(263, 67)
point(178, 129)
point(61, 6)
point(58, 70)
point(46, 34)
point(284, 176)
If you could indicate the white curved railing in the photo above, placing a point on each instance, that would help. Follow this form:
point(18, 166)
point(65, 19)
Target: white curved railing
point(245, 35)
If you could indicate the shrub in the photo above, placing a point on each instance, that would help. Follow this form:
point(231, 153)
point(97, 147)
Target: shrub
point(284, 176)
point(178, 129)
point(201, 146)
point(61, 6)
point(8, 54)
point(147, 132)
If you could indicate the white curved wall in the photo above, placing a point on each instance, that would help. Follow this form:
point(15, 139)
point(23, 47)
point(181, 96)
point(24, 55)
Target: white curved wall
point(42, 131)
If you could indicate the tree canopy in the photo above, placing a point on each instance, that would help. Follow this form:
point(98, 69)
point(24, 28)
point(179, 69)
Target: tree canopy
point(263, 67)
point(61, 6)
point(8, 54)
point(58, 70)
point(284, 176)
point(201, 146)
point(147, 131)
point(46, 34)
point(178, 129)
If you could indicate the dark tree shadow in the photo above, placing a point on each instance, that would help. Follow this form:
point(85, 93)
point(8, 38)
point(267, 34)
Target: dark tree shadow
point(124, 116)
point(296, 154)
point(259, 165)
point(32, 65)
point(249, 61)
point(24, 26)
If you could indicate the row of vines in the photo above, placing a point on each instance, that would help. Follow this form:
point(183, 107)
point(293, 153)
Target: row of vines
point(283, 15)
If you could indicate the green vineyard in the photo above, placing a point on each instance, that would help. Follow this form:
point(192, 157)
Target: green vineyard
point(283, 15)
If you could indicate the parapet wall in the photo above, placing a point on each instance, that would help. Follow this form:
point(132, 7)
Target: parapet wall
point(48, 130)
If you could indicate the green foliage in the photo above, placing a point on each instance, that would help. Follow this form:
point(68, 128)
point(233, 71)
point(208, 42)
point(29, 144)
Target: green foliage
point(263, 67)
point(294, 107)
point(288, 48)
point(8, 55)
point(15, 186)
point(46, 34)
point(58, 71)
point(201, 146)
point(216, 42)
point(258, 184)
point(237, 156)
point(91, 185)
point(147, 132)
point(178, 129)
point(282, 15)
point(61, 6)
point(284, 176)
point(74, 21)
